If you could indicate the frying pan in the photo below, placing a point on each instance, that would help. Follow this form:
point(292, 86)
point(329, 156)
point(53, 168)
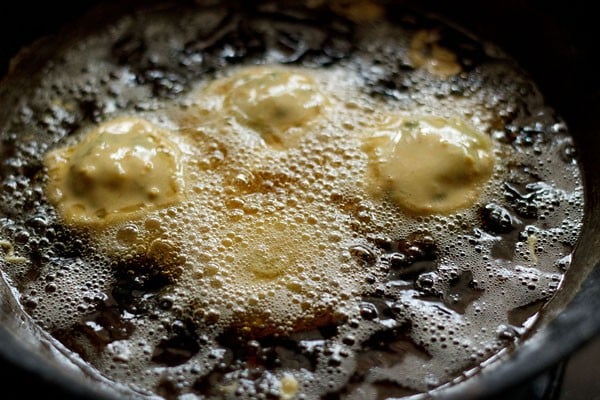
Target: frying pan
point(553, 41)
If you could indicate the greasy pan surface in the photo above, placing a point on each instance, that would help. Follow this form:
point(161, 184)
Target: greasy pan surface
point(555, 44)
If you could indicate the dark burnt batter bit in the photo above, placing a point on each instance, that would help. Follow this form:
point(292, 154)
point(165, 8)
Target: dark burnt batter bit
point(497, 219)
point(179, 346)
point(408, 258)
point(138, 285)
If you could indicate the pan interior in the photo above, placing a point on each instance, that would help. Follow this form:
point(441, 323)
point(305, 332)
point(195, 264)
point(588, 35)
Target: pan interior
point(392, 79)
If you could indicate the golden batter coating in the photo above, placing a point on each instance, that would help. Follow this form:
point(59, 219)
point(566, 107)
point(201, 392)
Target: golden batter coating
point(121, 168)
point(278, 103)
point(429, 165)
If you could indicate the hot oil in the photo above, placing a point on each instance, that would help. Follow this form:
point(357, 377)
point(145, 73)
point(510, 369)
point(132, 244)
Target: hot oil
point(401, 304)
